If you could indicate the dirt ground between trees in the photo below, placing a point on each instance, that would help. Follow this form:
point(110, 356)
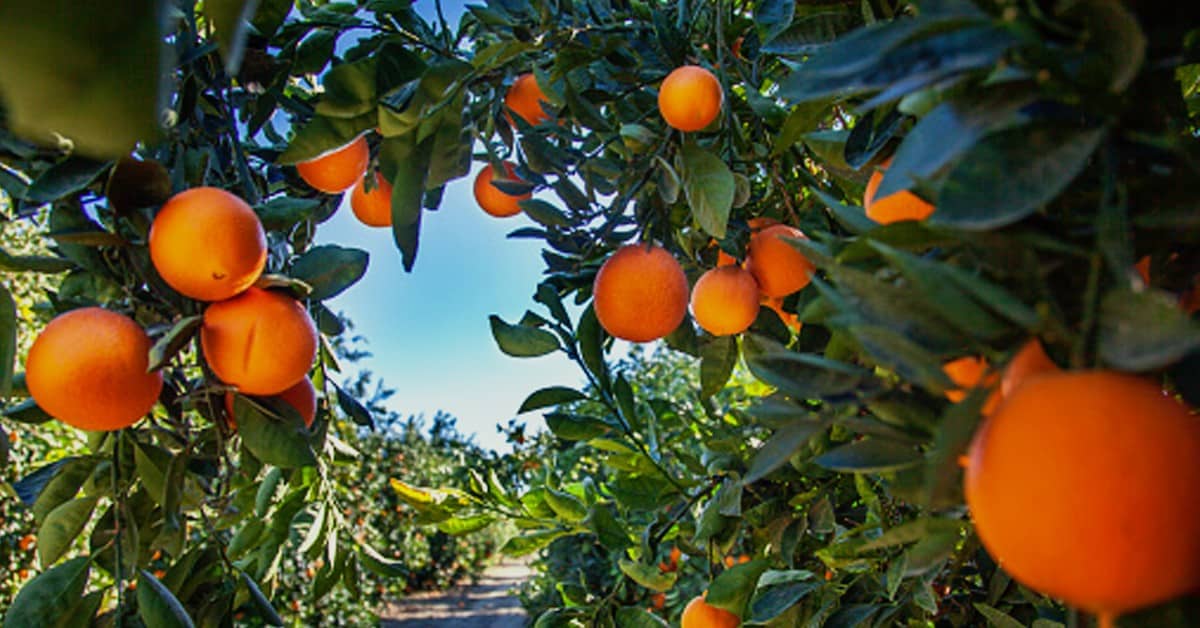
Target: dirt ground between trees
point(492, 603)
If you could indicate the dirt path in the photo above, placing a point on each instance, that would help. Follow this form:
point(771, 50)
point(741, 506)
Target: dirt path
point(489, 604)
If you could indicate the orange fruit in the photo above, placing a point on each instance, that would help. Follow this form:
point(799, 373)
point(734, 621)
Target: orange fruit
point(902, 205)
point(690, 98)
point(339, 169)
point(743, 559)
point(1082, 486)
point(87, 368)
point(778, 267)
point(1143, 268)
point(26, 542)
point(789, 319)
point(967, 373)
point(1029, 361)
point(640, 293)
point(525, 97)
point(302, 397)
point(261, 341)
point(658, 600)
point(698, 614)
point(729, 561)
point(374, 208)
point(491, 199)
point(725, 300)
point(674, 555)
point(208, 244)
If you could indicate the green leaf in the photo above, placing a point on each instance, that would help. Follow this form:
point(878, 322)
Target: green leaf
point(61, 527)
point(50, 595)
point(996, 617)
point(576, 427)
point(709, 187)
point(8, 339)
point(544, 213)
point(733, 588)
point(62, 485)
point(83, 614)
point(1010, 174)
point(911, 532)
point(457, 526)
point(229, 19)
point(772, 601)
point(324, 134)
point(34, 263)
point(568, 507)
point(353, 408)
point(1144, 330)
point(526, 544)
point(805, 375)
point(648, 576)
point(64, 178)
point(773, 16)
point(647, 493)
point(521, 341)
point(377, 563)
point(274, 432)
point(330, 269)
point(809, 33)
point(551, 396)
point(90, 72)
point(871, 455)
point(718, 357)
point(281, 212)
point(637, 617)
point(591, 346)
point(782, 445)
point(611, 533)
point(157, 606)
point(404, 163)
point(261, 602)
point(349, 89)
point(174, 341)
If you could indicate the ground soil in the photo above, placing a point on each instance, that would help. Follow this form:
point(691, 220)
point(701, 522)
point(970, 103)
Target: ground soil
point(491, 603)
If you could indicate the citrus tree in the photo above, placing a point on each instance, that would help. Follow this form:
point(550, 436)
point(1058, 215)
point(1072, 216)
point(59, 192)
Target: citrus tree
point(969, 223)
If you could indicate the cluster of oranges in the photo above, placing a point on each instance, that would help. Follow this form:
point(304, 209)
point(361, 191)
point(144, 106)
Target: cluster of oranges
point(1075, 475)
point(641, 293)
point(90, 367)
point(347, 167)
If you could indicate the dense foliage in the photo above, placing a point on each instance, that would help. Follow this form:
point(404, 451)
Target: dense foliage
point(1057, 142)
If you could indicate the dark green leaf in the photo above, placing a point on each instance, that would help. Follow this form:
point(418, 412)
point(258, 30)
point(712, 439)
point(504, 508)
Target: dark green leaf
point(61, 526)
point(330, 269)
point(34, 263)
point(90, 72)
point(273, 432)
point(552, 396)
point(591, 345)
point(157, 606)
point(871, 455)
point(807, 376)
point(173, 341)
point(782, 445)
point(524, 545)
point(807, 34)
point(1144, 330)
point(324, 134)
point(636, 617)
point(718, 356)
point(1010, 174)
point(521, 341)
point(62, 485)
point(63, 178)
point(354, 409)
point(612, 533)
point(282, 212)
point(261, 603)
point(568, 507)
point(50, 595)
point(648, 576)
point(733, 588)
point(544, 213)
point(773, 601)
point(8, 339)
point(349, 89)
point(575, 427)
point(709, 187)
point(996, 617)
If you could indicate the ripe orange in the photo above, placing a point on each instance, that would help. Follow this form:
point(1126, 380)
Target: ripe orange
point(789, 319)
point(1143, 268)
point(640, 293)
point(525, 97)
point(337, 170)
point(302, 397)
point(698, 614)
point(261, 341)
point(658, 600)
point(674, 555)
point(902, 205)
point(208, 244)
point(88, 369)
point(725, 300)
point(374, 208)
point(967, 373)
point(491, 199)
point(1029, 361)
point(1082, 486)
point(690, 98)
point(778, 267)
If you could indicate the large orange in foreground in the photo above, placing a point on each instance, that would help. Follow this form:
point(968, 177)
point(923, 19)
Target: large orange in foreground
point(208, 244)
point(261, 341)
point(725, 300)
point(640, 293)
point(493, 200)
point(699, 614)
point(1082, 486)
point(902, 205)
point(778, 267)
point(690, 98)
point(302, 397)
point(337, 170)
point(374, 208)
point(88, 369)
point(525, 97)
point(1030, 361)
